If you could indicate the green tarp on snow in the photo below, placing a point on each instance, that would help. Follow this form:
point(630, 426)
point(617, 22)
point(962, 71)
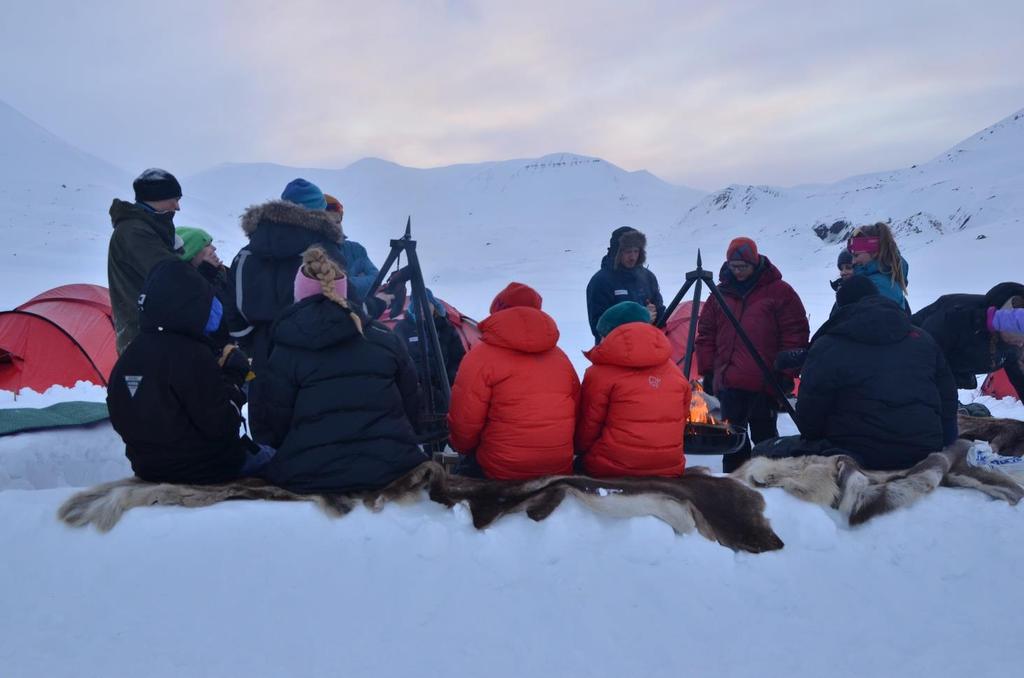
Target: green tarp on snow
point(61, 415)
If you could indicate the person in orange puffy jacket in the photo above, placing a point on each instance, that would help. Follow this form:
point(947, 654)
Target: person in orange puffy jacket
point(634, 401)
point(513, 406)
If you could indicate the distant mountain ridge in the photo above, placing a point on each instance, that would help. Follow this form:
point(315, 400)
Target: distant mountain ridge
point(979, 181)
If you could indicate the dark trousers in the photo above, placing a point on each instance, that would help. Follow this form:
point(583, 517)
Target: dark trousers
point(743, 409)
point(795, 446)
point(469, 467)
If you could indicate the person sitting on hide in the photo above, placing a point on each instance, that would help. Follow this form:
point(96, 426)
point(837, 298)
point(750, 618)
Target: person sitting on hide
point(176, 406)
point(198, 249)
point(339, 396)
point(634, 401)
point(513, 409)
point(874, 387)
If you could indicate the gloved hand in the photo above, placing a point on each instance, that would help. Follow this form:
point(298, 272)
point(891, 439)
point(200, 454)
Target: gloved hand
point(791, 359)
point(235, 365)
point(398, 279)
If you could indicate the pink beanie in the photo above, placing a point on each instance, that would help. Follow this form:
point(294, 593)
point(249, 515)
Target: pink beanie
point(306, 287)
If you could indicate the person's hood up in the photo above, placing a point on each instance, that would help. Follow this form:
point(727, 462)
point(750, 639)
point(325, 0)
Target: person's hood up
point(315, 323)
point(520, 328)
point(284, 229)
point(873, 320)
point(632, 345)
point(175, 298)
point(1001, 293)
point(608, 260)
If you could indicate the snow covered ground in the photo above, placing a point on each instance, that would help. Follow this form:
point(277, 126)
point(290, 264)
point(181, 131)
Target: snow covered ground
point(265, 589)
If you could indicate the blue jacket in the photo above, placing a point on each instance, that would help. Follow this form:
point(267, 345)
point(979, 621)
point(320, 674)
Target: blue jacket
point(883, 280)
point(360, 270)
point(611, 285)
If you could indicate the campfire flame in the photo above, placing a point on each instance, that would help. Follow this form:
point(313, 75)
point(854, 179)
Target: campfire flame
point(699, 413)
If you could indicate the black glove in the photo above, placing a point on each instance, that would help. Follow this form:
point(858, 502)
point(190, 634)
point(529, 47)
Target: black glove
point(398, 279)
point(235, 366)
point(791, 359)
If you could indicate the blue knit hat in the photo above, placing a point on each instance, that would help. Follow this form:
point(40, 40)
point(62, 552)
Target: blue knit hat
point(302, 192)
point(620, 314)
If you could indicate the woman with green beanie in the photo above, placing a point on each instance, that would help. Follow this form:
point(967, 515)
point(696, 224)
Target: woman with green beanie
point(634, 400)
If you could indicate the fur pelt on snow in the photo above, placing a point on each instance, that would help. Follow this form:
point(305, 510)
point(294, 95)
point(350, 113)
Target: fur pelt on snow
point(860, 495)
point(1006, 436)
point(721, 509)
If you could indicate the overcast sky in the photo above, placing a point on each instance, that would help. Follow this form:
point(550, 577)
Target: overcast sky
point(700, 93)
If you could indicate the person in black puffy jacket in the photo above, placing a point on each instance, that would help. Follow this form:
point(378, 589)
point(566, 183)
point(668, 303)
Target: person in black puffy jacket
point(340, 393)
point(176, 408)
point(876, 386)
point(958, 323)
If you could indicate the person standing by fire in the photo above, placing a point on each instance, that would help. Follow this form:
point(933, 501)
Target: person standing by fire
point(773, 317)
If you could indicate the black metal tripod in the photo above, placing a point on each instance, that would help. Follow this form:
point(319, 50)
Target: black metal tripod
point(696, 279)
point(433, 360)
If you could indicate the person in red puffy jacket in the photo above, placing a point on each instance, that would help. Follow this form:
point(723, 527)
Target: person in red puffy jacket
point(634, 401)
point(513, 405)
point(772, 315)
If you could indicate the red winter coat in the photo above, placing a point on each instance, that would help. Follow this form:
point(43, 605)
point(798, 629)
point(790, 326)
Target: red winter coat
point(633, 406)
point(514, 398)
point(770, 313)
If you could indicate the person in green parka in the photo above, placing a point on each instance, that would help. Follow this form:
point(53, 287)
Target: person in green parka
point(143, 237)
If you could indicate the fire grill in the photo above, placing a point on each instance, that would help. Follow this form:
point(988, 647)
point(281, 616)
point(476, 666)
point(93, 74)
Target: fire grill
point(700, 438)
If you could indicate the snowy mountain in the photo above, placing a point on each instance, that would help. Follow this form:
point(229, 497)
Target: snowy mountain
point(546, 221)
point(974, 184)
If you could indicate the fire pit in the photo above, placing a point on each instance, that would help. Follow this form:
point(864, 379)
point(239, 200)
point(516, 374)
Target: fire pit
point(706, 435)
point(724, 438)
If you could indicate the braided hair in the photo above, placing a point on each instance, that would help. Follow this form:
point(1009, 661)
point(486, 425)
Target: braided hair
point(317, 265)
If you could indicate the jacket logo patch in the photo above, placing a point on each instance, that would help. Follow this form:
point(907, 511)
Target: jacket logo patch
point(132, 382)
point(413, 339)
point(655, 382)
point(622, 293)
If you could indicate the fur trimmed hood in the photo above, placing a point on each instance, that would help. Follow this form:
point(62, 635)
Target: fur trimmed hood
point(289, 214)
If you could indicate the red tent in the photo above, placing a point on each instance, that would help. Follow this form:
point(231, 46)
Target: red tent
point(998, 385)
point(59, 337)
point(677, 329)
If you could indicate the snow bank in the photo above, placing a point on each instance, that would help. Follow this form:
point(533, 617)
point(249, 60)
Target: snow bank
point(263, 589)
point(62, 458)
point(26, 397)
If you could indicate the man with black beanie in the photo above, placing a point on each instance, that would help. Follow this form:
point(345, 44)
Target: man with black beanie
point(143, 237)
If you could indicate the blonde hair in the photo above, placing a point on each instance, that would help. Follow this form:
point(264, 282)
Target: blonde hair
point(889, 258)
point(316, 265)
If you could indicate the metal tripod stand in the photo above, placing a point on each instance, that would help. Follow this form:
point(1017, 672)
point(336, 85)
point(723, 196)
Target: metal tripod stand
point(433, 363)
point(696, 278)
